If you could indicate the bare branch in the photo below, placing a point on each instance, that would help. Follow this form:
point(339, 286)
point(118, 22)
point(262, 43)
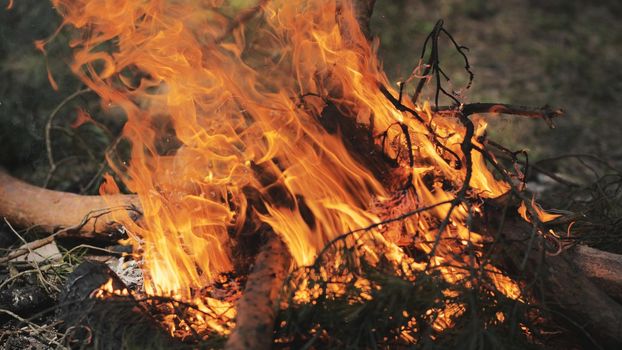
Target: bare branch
point(28, 206)
point(547, 113)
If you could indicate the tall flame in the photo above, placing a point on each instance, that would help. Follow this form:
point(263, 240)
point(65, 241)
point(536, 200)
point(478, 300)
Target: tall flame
point(227, 128)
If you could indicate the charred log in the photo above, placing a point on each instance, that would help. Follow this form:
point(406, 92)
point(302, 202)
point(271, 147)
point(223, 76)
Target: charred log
point(113, 322)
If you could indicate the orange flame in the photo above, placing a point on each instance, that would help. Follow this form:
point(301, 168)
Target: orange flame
point(543, 215)
point(246, 111)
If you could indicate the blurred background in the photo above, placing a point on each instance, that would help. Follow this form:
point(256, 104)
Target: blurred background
point(565, 53)
point(529, 52)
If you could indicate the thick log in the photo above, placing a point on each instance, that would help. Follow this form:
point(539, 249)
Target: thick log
point(112, 322)
point(27, 206)
point(604, 269)
point(563, 285)
point(258, 306)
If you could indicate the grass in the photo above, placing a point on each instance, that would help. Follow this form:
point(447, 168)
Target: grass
point(561, 53)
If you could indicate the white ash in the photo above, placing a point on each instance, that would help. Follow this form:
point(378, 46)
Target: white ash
point(129, 272)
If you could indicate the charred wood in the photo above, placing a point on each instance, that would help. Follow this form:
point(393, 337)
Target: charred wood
point(113, 322)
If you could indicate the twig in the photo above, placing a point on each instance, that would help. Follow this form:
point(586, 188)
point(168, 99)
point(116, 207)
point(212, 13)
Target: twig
point(547, 113)
point(29, 247)
point(48, 126)
point(509, 155)
point(433, 68)
point(466, 146)
point(374, 225)
point(35, 327)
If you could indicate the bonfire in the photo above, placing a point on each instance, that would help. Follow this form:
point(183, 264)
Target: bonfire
point(278, 191)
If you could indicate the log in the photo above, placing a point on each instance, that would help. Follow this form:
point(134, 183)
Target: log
point(257, 308)
point(27, 206)
point(113, 322)
point(604, 269)
point(564, 286)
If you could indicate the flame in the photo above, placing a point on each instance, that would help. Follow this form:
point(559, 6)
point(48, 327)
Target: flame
point(82, 117)
point(108, 289)
point(543, 215)
point(226, 127)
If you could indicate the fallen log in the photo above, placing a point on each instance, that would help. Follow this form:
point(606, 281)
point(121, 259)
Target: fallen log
point(111, 322)
point(258, 306)
point(67, 214)
point(564, 286)
point(604, 269)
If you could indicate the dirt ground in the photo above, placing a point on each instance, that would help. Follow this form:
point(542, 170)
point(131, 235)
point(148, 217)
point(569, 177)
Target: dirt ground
point(557, 52)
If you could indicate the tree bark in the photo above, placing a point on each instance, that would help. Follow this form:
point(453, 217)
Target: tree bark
point(258, 306)
point(27, 206)
point(604, 269)
point(564, 286)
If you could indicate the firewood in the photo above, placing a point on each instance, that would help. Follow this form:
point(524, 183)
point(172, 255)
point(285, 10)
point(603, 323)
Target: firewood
point(113, 322)
point(566, 287)
point(604, 269)
point(582, 281)
point(27, 206)
point(258, 306)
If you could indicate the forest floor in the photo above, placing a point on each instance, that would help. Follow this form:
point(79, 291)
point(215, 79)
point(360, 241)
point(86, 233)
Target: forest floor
point(563, 53)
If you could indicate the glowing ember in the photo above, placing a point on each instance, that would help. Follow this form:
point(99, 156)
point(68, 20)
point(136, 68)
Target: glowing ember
point(227, 129)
